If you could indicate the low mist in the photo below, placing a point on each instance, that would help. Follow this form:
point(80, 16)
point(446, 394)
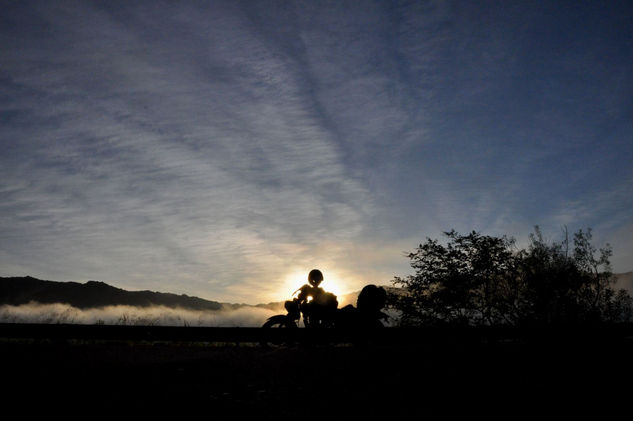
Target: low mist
point(129, 315)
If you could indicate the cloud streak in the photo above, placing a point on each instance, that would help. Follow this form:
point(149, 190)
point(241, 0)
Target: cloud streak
point(181, 176)
point(212, 149)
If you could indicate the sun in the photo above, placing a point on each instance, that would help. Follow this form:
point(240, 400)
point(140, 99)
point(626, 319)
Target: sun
point(296, 279)
point(332, 284)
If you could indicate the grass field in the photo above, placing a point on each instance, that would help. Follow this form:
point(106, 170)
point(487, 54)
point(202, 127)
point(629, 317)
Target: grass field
point(317, 381)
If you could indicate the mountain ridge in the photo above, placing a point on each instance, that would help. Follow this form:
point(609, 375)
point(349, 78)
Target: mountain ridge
point(92, 294)
point(95, 294)
point(20, 290)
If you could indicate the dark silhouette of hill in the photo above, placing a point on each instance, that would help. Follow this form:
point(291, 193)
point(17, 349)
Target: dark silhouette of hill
point(22, 290)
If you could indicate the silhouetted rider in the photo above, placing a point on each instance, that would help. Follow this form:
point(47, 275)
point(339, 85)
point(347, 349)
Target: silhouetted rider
point(367, 314)
point(317, 304)
point(369, 304)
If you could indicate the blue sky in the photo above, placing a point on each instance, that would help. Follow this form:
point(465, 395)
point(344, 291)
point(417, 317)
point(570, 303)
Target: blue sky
point(224, 149)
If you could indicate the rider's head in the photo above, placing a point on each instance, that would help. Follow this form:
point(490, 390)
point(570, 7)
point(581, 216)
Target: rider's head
point(315, 277)
point(371, 298)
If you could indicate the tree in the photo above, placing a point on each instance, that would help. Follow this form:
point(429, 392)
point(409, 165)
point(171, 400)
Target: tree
point(574, 286)
point(464, 281)
point(485, 280)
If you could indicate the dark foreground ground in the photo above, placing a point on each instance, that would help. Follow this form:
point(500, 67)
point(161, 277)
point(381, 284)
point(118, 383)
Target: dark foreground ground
point(511, 379)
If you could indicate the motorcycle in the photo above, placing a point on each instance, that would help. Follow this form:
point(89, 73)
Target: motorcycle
point(323, 312)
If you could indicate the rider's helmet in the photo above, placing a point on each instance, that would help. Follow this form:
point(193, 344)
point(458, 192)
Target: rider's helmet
point(315, 277)
point(371, 298)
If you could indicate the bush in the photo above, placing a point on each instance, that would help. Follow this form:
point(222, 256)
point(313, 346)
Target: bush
point(477, 279)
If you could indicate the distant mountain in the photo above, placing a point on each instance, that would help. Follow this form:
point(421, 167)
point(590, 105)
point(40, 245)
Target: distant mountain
point(22, 290)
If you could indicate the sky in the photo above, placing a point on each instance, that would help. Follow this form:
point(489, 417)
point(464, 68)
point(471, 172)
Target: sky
point(224, 149)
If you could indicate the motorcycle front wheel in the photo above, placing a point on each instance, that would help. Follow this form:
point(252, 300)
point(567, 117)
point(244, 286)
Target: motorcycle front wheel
point(276, 339)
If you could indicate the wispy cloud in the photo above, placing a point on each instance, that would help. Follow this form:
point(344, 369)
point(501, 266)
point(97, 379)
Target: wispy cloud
point(211, 149)
point(162, 172)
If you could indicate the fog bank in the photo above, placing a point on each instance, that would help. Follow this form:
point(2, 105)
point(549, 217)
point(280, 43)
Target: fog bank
point(129, 315)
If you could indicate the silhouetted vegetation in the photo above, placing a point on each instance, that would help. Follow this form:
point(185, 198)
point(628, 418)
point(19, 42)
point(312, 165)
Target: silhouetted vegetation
point(477, 279)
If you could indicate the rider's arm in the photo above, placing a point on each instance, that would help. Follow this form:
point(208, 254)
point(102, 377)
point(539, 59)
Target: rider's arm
point(305, 291)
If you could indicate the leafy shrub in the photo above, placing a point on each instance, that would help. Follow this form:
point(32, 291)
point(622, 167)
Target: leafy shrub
point(477, 279)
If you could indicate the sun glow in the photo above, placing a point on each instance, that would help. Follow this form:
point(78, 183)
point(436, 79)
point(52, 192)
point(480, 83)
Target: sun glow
point(295, 280)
